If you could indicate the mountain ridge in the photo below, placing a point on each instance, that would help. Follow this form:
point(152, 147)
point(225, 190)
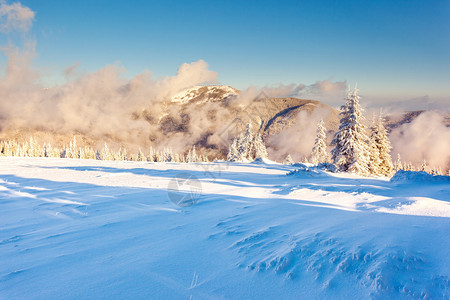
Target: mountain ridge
point(209, 117)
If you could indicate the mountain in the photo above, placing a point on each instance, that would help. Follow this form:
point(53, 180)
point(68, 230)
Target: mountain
point(396, 120)
point(208, 117)
point(219, 113)
point(205, 93)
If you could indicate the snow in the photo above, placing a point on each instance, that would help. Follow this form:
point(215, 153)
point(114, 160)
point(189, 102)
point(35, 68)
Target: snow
point(189, 94)
point(107, 229)
point(409, 176)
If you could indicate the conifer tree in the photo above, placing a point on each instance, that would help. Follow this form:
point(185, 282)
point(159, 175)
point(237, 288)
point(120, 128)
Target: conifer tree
point(165, 155)
point(194, 156)
point(90, 153)
point(189, 157)
point(7, 149)
point(72, 150)
point(23, 151)
point(106, 153)
point(233, 154)
point(151, 154)
point(288, 160)
point(436, 171)
point(13, 148)
point(141, 156)
point(45, 151)
point(398, 163)
point(82, 153)
point(380, 147)
point(245, 144)
point(410, 167)
point(34, 149)
point(158, 156)
point(119, 155)
point(63, 152)
point(259, 148)
point(53, 151)
point(374, 151)
point(319, 151)
point(351, 150)
point(423, 168)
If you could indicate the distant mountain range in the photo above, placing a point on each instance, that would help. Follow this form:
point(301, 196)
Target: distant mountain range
point(209, 117)
point(269, 115)
point(228, 113)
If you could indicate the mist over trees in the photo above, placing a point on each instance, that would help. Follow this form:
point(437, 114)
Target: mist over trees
point(356, 148)
point(247, 146)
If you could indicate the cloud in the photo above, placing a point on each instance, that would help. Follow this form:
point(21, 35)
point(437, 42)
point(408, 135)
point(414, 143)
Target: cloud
point(425, 138)
point(323, 88)
point(418, 103)
point(98, 103)
point(326, 91)
point(71, 72)
point(101, 105)
point(327, 87)
point(298, 139)
point(15, 16)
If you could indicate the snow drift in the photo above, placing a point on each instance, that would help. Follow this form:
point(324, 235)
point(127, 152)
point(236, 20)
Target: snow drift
point(108, 229)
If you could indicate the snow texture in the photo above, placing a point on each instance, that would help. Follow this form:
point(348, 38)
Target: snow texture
point(87, 229)
point(214, 92)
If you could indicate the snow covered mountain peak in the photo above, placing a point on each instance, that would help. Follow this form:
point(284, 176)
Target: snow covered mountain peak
point(205, 93)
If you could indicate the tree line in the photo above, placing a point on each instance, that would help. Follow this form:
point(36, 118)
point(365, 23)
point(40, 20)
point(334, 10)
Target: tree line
point(353, 151)
point(33, 149)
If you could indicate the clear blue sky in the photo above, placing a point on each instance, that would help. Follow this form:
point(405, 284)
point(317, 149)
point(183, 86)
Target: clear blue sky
point(391, 48)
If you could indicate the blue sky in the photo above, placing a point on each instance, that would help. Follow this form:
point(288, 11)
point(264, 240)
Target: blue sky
point(398, 49)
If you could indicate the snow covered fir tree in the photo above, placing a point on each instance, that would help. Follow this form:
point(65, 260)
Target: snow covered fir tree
point(288, 160)
point(31, 148)
point(247, 146)
point(380, 147)
point(319, 152)
point(350, 153)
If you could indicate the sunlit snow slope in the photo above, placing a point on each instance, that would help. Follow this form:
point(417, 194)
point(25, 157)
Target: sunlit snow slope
point(96, 229)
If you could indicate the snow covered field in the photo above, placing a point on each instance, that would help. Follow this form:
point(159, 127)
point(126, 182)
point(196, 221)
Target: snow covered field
point(106, 229)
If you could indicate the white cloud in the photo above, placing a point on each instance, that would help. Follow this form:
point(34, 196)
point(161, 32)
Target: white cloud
point(425, 138)
point(15, 16)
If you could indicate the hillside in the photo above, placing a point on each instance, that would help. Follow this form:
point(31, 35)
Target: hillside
point(219, 113)
point(208, 117)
